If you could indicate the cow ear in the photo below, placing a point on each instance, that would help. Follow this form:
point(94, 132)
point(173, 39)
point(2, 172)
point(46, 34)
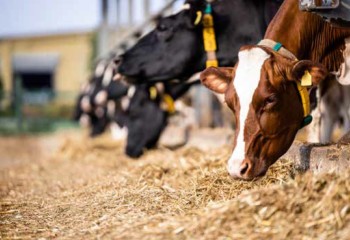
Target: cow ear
point(217, 78)
point(308, 72)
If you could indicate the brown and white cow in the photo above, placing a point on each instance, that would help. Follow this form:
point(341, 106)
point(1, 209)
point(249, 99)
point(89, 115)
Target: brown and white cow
point(262, 89)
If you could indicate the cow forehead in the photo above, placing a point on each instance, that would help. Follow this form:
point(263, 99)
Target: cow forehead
point(246, 80)
point(249, 69)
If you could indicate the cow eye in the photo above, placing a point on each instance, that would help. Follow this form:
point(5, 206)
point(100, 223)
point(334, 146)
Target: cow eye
point(270, 101)
point(161, 27)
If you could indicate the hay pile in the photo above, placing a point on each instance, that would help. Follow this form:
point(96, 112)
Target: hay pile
point(308, 208)
point(89, 189)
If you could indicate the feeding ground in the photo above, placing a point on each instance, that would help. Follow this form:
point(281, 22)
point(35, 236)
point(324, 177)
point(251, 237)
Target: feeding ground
point(67, 186)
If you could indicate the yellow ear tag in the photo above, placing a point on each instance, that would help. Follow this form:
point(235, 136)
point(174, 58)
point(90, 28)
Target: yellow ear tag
point(153, 93)
point(170, 104)
point(198, 18)
point(306, 80)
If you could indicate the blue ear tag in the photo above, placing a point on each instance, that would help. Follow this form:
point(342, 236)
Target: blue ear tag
point(306, 121)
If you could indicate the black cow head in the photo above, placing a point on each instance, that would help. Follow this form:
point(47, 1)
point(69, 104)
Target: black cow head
point(174, 50)
point(148, 114)
point(146, 120)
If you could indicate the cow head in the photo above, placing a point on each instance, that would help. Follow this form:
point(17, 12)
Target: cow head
point(146, 119)
point(173, 50)
point(148, 109)
point(261, 90)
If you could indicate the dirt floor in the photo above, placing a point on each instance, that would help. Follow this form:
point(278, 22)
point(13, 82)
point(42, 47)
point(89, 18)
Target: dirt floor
point(67, 186)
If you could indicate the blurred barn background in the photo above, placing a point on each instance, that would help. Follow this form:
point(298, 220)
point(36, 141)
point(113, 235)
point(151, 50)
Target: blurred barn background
point(47, 50)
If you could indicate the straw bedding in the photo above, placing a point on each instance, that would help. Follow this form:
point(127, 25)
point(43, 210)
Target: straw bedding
point(88, 189)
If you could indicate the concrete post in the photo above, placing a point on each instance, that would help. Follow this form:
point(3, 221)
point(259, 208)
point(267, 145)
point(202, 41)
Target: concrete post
point(146, 9)
point(203, 106)
point(118, 5)
point(103, 30)
point(131, 13)
point(18, 103)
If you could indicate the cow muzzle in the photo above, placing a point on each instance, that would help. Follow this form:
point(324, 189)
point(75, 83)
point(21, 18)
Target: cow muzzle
point(239, 169)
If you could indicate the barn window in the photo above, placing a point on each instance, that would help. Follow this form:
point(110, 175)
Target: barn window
point(36, 73)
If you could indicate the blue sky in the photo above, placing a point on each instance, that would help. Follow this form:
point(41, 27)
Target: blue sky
point(32, 17)
point(42, 17)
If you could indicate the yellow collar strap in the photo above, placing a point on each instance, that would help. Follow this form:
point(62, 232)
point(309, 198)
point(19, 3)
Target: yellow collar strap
point(209, 37)
point(302, 85)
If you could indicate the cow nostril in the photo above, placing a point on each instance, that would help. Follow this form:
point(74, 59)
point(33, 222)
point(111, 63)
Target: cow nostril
point(244, 168)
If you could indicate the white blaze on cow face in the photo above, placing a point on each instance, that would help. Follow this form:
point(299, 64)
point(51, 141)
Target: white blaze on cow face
point(246, 81)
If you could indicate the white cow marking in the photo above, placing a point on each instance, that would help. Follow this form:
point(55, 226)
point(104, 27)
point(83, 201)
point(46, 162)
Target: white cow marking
point(125, 102)
point(85, 104)
point(108, 74)
point(100, 68)
point(184, 7)
point(343, 74)
point(84, 120)
point(131, 91)
point(101, 97)
point(99, 112)
point(111, 108)
point(117, 77)
point(246, 81)
point(118, 133)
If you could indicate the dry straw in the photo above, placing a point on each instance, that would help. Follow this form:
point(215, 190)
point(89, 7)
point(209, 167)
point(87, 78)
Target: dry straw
point(88, 189)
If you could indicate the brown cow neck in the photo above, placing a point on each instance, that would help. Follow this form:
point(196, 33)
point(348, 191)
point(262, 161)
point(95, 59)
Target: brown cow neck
point(307, 36)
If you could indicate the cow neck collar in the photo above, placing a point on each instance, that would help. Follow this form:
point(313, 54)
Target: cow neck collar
point(304, 94)
point(209, 38)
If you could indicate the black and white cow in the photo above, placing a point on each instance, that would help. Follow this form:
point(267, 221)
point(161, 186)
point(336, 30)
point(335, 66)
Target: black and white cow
point(174, 50)
point(89, 108)
point(147, 114)
point(141, 111)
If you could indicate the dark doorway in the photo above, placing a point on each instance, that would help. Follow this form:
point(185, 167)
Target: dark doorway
point(35, 73)
point(36, 87)
point(36, 81)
